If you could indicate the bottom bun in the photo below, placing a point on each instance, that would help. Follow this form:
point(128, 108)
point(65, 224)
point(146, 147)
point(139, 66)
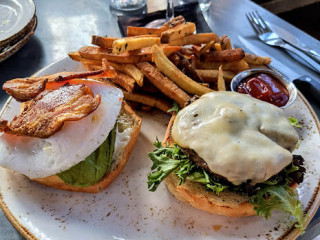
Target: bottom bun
point(227, 203)
point(131, 124)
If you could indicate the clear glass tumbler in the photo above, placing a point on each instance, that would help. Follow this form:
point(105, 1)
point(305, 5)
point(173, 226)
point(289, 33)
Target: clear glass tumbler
point(128, 5)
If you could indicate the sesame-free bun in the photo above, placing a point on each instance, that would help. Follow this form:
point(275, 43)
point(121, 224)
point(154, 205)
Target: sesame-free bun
point(131, 124)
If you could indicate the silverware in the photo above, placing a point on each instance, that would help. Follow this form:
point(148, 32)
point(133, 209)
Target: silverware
point(308, 86)
point(266, 35)
point(293, 40)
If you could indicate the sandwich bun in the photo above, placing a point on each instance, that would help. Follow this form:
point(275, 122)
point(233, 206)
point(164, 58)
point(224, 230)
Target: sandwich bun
point(129, 135)
point(227, 203)
point(41, 159)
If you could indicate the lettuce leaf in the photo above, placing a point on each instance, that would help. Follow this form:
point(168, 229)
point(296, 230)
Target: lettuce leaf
point(175, 108)
point(94, 167)
point(165, 161)
point(171, 159)
point(279, 197)
point(294, 122)
point(201, 176)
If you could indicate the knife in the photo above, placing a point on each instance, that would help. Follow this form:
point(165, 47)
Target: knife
point(307, 85)
point(292, 39)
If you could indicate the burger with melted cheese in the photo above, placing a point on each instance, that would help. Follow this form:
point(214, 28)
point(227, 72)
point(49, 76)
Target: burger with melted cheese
point(73, 135)
point(230, 154)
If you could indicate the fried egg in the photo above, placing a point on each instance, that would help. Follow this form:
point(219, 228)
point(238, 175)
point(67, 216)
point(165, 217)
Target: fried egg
point(38, 158)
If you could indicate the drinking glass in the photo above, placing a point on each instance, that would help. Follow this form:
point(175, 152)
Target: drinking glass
point(128, 5)
point(204, 4)
point(169, 14)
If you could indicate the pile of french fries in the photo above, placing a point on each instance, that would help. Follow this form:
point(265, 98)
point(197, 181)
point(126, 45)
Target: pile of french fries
point(155, 67)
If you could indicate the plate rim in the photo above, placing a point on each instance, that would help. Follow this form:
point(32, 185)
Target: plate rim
point(18, 45)
point(291, 233)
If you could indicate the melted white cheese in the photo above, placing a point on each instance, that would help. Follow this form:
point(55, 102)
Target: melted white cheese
point(37, 158)
point(241, 138)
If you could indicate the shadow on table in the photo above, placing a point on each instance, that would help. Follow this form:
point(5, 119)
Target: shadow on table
point(27, 60)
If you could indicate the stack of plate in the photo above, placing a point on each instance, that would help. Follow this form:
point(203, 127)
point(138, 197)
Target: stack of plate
point(18, 22)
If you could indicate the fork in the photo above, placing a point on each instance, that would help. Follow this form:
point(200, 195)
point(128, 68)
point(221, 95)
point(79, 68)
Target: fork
point(266, 35)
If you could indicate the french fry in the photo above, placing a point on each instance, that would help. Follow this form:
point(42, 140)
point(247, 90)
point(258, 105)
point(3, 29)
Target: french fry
point(146, 108)
point(256, 60)
point(148, 100)
point(134, 105)
point(182, 63)
point(206, 47)
point(221, 85)
point(104, 42)
point(187, 52)
point(195, 39)
point(145, 55)
point(237, 66)
point(105, 66)
point(212, 75)
point(147, 87)
point(174, 74)
point(225, 42)
point(178, 32)
point(218, 47)
point(86, 62)
point(130, 70)
point(133, 43)
point(90, 66)
point(75, 56)
point(205, 84)
point(124, 81)
point(174, 22)
point(136, 31)
point(196, 50)
point(108, 72)
point(194, 62)
point(166, 86)
point(230, 55)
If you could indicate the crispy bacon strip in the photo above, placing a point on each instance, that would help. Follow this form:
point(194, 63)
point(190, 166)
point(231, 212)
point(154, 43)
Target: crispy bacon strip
point(24, 89)
point(45, 114)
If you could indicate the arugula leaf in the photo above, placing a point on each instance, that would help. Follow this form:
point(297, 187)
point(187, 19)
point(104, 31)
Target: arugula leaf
point(184, 169)
point(298, 144)
point(207, 181)
point(291, 169)
point(175, 108)
point(165, 161)
point(279, 197)
point(171, 159)
point(294, 122)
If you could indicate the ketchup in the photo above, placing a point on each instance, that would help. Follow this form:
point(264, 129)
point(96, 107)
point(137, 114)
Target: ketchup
point(266, 88)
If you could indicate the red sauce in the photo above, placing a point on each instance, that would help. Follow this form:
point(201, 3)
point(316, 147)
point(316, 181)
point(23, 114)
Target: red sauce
point(266, 88)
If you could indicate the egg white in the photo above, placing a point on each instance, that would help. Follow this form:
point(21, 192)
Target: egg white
point(38, 158)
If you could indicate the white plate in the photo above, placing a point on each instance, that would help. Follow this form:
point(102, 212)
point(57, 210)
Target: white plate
point(12, 49)
point(14, 17)
point(127, 210)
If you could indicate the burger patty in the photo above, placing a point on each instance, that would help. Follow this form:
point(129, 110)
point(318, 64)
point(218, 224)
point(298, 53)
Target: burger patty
point(247, 188)
point(194, 157)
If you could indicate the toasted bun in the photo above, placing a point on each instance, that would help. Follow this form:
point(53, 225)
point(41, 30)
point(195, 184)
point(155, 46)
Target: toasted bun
point(130, 119)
